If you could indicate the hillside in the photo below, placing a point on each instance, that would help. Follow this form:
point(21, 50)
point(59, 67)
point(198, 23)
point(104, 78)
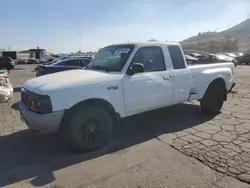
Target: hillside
point(240, 34)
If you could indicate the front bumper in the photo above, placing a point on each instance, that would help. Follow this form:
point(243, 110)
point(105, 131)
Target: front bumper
point(41, 123)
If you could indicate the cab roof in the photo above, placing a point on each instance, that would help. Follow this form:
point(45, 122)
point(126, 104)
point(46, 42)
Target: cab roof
point(148, 43)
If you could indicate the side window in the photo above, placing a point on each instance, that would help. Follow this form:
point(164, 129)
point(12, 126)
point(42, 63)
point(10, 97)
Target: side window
point(151, 57)
point(73, 63)
point(176, 57)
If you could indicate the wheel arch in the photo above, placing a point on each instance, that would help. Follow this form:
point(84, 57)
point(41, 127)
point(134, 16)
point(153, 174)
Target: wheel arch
point(97, 102)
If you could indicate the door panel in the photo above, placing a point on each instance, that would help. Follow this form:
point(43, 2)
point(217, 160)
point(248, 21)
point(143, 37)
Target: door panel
point(147, 91)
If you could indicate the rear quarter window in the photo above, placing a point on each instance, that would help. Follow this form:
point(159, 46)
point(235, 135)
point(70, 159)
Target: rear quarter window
point(176, 57)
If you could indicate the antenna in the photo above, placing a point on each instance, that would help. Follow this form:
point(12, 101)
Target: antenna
point(80, 41)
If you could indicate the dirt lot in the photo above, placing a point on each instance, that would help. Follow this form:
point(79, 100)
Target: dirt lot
point(222, 142)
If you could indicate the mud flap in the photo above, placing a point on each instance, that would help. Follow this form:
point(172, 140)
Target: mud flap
point(230, 90)
point(225, 95)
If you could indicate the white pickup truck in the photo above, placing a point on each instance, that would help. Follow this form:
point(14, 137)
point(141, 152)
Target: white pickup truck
point(122, 80)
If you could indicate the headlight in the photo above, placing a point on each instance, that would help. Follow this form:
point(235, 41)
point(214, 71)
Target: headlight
point(40, 104)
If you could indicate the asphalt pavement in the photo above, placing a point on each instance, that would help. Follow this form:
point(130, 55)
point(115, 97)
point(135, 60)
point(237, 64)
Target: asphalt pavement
point(171, 147)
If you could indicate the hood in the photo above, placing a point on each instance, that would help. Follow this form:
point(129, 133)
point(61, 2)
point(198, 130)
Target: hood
point(69, 79)
point(51, 68)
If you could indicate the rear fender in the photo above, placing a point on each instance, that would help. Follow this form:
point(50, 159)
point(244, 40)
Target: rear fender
point(223, 75)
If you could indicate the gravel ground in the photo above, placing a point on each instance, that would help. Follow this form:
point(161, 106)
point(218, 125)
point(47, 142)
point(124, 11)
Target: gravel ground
point(221, 142)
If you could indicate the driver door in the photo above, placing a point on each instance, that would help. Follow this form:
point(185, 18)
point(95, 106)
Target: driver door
point(151, 89)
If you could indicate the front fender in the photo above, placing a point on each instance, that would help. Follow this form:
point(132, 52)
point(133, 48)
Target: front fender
point(111, 92)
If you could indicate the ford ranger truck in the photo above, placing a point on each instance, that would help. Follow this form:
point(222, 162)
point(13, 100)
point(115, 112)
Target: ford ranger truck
point(122, 80)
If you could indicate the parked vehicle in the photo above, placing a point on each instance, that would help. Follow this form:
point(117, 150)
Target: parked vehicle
point(55, 60)
point(68, 64)
point(202, 57)
point(42, 60)
point(231, 55)
point(6, 89)
point(32, 61)
point(238, 54)
point(21, 61)
point(215, 58)
point(194, 54)
point(6, 63)
point(245, 58)
point(190, 60)
point(50, 59)
point(122, 80)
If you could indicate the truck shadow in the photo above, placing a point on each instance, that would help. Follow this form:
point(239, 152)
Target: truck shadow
point(27, 156)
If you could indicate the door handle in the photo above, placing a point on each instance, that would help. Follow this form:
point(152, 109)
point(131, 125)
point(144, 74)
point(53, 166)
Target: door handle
point(166, 77)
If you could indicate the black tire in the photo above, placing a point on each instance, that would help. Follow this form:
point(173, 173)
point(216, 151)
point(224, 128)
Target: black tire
point(88, 128)
point(213, 100)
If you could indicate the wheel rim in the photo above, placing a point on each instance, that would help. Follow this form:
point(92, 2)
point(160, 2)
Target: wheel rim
point(90, 133)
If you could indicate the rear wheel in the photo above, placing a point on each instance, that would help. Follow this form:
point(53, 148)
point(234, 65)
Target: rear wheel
point(88, 129)
point(213, 100)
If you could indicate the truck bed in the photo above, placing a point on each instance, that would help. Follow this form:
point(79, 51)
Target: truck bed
point(206, 71)
point(212, 65)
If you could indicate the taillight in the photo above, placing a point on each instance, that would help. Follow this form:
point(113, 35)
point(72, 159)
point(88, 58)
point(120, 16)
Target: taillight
point(1, 78)
point(12, 63)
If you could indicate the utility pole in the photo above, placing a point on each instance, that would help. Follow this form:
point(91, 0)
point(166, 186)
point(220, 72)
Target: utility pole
point(247, 15)
point(8, 48)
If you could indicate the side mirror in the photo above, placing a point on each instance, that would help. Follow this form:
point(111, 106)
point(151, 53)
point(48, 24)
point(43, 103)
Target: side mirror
point(135, 68)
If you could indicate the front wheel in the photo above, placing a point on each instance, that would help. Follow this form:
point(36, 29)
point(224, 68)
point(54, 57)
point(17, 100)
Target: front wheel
point(88, 129)
point(213, 100)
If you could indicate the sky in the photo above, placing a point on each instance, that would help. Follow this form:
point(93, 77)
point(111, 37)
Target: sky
point(63, 26)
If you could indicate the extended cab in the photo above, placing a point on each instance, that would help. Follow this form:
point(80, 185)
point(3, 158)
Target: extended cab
point(122, 80)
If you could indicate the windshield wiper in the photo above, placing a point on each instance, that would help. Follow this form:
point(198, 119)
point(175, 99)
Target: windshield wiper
point(98, 67)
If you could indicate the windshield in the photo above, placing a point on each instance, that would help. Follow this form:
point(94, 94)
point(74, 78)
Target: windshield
point(111, 58)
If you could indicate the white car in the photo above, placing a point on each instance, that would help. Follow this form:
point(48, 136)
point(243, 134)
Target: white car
point(6, 89)
point(122, 80)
